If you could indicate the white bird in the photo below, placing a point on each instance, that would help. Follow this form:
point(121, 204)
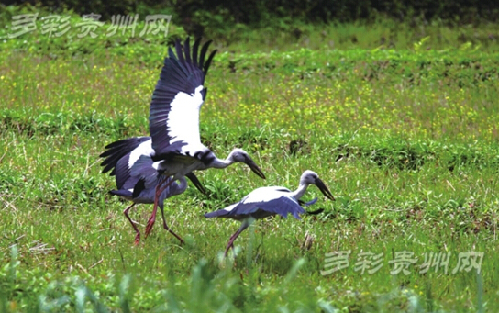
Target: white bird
point(269, 201)
point(122, 157)
point(174, 119)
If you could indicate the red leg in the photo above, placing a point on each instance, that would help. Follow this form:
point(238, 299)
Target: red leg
point(152, 219)
point(230, 244)
point(137, 237)
point(168, 229)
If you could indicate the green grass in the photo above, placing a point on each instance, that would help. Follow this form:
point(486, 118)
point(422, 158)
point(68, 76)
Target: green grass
point(406, 140)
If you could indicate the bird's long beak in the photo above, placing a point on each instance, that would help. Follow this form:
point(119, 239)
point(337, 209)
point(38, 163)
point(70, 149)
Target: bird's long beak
point(323, 188)
point(196, 182)
point(254, 168)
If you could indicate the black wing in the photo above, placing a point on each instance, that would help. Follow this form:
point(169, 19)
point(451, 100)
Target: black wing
point(117, 150)
point(176, 101)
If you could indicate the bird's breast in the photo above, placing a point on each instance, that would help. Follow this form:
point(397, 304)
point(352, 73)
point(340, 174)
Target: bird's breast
point(181, 168)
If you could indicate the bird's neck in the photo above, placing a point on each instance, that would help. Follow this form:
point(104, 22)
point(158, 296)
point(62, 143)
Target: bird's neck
point(182, 186)
point(218, 163)
point(174, 189)
point(300, 191)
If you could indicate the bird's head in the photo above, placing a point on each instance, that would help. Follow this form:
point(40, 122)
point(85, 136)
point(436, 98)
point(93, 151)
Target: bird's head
point(238, 155)
point(311, 178)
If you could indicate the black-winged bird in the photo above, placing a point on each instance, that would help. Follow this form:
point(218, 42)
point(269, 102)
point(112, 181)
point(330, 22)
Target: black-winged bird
point(269, 201)
point(174, 120)
point(122, 159)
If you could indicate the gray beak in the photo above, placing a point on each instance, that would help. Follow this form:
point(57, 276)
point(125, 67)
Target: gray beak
point(323, 188)
point(254, 168)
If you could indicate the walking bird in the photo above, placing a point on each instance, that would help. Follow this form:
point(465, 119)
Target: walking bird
point(174, 121)
point(269, 201)
point(121, 158)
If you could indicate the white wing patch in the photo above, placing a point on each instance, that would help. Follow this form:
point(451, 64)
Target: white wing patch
point(156, 165)
point(266, 194)
point(183, 119)
point(231, 207)
point(143, 149)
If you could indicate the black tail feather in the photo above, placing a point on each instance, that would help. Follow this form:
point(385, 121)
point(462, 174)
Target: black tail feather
point(117, 150)
point(141, 185)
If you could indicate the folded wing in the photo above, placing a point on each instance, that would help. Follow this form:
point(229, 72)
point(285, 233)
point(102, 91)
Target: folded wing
point(282, 206)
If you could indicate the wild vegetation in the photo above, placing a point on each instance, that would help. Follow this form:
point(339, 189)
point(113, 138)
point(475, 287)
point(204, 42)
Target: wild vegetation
point(400, 122)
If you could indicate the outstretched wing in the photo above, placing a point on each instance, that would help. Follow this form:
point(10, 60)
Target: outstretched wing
point(282, 206)
point(176, 101)
point(117, 150)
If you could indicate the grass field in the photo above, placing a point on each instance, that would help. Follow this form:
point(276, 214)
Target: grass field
point(406, 140)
